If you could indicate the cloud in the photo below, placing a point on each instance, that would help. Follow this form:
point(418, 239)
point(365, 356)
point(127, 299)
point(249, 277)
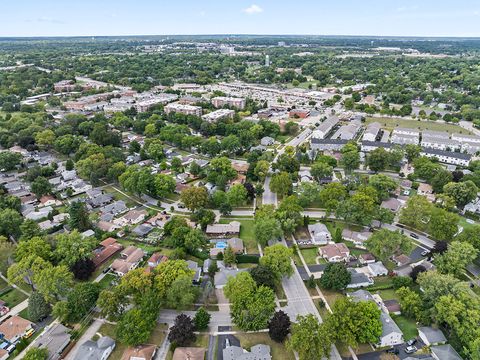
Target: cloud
point(253, 9)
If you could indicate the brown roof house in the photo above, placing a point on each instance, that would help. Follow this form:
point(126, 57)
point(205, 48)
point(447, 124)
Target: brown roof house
point(105, 251)
point(14, 328)
point(156, 259)
point(392, 204)
point(141, 352)
point(233, 228)
point(131, 257)
point(189, 353)
point(335, 252)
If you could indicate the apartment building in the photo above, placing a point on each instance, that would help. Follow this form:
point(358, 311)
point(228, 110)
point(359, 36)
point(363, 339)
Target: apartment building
point(372, 131)
point(404, 136)
point(235, 102)
point(448, 157)
point(219, 114)
point(347, 132)
point(325, 128)
point(183, 109)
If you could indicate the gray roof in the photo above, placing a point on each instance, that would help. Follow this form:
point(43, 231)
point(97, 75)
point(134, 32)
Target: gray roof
point(457, 155)
point(142, 229)
point(257, 352)
point(222, 276)
point(55, 340)
point(329, 141)
point(358, 278)
point(434, 336)
point(445, 352)
point(94, 350)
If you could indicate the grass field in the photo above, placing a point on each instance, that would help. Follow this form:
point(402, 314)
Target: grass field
point(13, 297)
point(391, 123)
point(278, 351)
point(388, 294)
point(408, 327)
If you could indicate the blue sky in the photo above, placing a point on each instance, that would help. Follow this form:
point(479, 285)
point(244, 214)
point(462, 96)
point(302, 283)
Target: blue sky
point(318, 17)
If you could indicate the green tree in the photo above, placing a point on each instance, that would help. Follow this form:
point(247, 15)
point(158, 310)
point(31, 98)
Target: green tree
point(412, 152)
point(164, 185)
point(54, 282)
point(456, 258)
point(181, 293)
point(79, 216)
point(6, 253)
point(10, 221)
point(40, 186)
point(261, 169)
point(38, 308)
point(440, 179)
point(350, 159)
point(263, 276)
point(35, 353)
point(167, 272)
point(289, 214)
point(266, 229)
point(410, 303)
point(385, 243)
point(134, 327)
point(332, 195)
point(72, 247)
point(201, 319)
point(35, 246)
point(335, 276)
point(462, 192)
point(377, 159)
point(182, 331)
point(281, 183)
point(220, 171)
point(358, 209)
point(310, 339)
point(237, 195)
point(229, 257)
point(194, 197)
point(9, 160)
point(384, 185)
point(321, 170)
point(112, 303)
point(278, 259)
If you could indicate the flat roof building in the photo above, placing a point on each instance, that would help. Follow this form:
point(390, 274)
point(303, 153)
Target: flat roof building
point(235, 102)
point(183, 109)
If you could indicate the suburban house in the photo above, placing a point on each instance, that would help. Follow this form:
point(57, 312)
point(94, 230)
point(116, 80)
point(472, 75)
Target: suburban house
point(140, 352)
point(55, 339)
point(215, 230)
point(358, 279)
point(96, 350)
point(358, 238)
point(14, 328)
point(431, 336)
point(132, 217)
point(366, 258)
point(193, 265)
point(221, 276)
point(391, 204)
point(391, 333)
point(106, 249)
point(444, 352)
point(189, 353)
point(335, 252)
point(131, 257)
point(259, 351)
point(426, 190)
point(107, 226)
point(221, 244)
point(319, 233)
point(401, 260)
point(377, 269)
point(156, 259)
point(392, 306)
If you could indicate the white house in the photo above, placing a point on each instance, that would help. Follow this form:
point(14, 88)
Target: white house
point(377, 269)
point(319, 233)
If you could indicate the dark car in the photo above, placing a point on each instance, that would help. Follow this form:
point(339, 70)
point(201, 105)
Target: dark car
point(392, 351)
point(413, 235)
point(411, 342)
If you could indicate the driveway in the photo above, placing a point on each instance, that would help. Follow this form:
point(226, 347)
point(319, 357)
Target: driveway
point(222, 344)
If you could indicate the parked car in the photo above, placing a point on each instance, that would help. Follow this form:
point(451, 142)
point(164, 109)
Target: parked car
point(413, 235)
point(411, 342)
point(392, 351)
point(425, 253)
point(410, 349)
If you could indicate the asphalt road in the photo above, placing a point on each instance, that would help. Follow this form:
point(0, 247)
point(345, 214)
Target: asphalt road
point(218, 318)
point(268, 196)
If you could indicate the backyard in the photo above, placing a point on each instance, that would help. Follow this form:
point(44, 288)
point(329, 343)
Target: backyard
point(408, 326)
point(13, 297)
point(247, 234)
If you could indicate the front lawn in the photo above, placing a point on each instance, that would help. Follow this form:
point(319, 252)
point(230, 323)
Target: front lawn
point(107, 280)
point(408, 326)
point(200, 341)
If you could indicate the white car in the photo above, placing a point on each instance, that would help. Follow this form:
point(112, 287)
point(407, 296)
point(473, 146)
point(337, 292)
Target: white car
point(410, 349)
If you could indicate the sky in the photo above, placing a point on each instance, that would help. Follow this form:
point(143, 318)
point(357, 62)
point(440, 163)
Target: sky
point(459, 18)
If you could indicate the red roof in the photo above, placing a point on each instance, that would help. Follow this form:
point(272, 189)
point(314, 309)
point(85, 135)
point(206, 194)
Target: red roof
point(107, 249)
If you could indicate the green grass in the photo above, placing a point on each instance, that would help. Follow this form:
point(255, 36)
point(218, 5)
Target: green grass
point(388, 294)
point(278, 350)
point(106, 282)
point(408, 326)
point(109, 330)
point(331, 296)
point(247, 234)
point(391, 123)
point(13, 298)
point(309, 255)
point(466, 225)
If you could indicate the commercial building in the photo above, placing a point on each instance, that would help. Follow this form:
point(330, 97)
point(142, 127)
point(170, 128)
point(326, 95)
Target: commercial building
point(299, 113)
